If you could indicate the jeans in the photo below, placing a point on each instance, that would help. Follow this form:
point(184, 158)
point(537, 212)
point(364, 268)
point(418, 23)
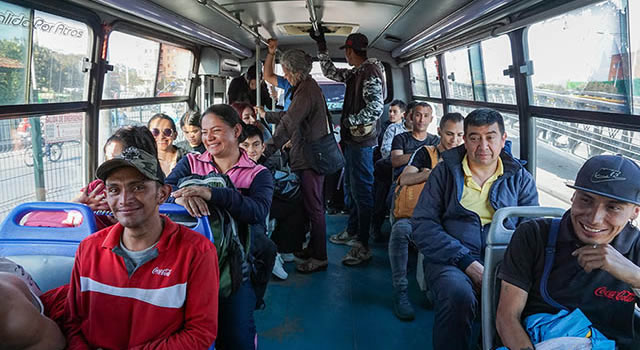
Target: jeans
point(456, 306)
point(381, 183)
point(313, 198)
point(236, 326)
point(359, 180)
point(399, 252)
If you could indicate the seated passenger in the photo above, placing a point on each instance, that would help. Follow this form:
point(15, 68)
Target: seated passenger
point(94, 194)
point(596, 264)
point(145, 282)
point(222, 134)
point(382, 171)
point(452, 217)
point(164, 130)
point(417, 172)
point(248, 116)
point(190, 125)
point(405, 144)
point(397, 127)
point(24, 319)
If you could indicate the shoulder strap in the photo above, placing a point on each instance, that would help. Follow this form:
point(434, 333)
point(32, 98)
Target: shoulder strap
point(433, 154)
point(549, 255)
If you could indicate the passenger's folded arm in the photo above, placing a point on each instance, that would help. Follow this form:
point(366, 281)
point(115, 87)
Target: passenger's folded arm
point(508, 323)
point(201, 309)
point(432, 239)
point(251, 209)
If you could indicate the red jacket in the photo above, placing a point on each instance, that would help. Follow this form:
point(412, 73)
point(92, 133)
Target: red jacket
point(169, 302)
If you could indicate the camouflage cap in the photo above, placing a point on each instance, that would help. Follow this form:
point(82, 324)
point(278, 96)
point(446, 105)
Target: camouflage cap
point(143, 161)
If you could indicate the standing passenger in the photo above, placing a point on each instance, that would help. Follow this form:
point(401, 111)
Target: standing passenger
point(453, 215)
point(272, 78)
point(363, 105)
point(306, 120)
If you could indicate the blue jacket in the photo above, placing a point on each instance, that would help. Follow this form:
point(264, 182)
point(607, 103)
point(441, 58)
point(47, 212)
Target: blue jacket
point(446, 232)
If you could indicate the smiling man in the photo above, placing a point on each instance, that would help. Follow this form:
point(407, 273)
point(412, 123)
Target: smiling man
point(597, 253)
point(146, 282)
point(452, 218)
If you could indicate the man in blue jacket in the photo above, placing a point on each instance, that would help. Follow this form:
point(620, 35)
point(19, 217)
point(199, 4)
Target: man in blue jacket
point(453, 215)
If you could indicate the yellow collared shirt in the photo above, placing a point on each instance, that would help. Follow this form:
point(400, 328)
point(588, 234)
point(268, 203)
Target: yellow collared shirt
point(476, 198)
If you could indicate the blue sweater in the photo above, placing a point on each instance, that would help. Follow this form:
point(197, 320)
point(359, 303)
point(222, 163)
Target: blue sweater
point(445, 231)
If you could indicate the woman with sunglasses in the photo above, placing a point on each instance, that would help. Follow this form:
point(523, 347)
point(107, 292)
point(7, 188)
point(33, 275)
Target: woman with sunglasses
point(222, 134)
point(163, 129)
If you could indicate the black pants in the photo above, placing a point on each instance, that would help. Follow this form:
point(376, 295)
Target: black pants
point(382, 178)
point(291, 224)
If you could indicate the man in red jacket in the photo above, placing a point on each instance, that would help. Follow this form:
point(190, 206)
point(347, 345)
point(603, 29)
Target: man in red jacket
point(146, 282)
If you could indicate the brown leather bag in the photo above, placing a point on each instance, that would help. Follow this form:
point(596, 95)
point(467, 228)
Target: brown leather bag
point(406, 197)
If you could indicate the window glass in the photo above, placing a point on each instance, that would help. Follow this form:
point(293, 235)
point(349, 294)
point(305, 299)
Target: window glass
point(333, 91)
point(496, 57)
point(563, 147)
point(634, 44)
point(511, 126)
point(459, 74)
point(59, 47)
point(135, 64)
point(431, 66)
point(115, 118)
point(418, 79)
point(437, 115)
point(14, 39)
point(63, 163)
point(174, 69)
point(579, 65)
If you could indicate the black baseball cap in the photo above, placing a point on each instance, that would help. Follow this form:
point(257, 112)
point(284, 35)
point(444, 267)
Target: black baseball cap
point(356, 41)
point(611, 176)
point(146, 163)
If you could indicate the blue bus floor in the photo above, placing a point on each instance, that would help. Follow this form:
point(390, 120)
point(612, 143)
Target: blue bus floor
point(343, 307)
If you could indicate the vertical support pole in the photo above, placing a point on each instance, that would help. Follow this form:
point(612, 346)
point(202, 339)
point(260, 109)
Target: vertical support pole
point(523, 96)
point(38, 164)
point(258, 72)
point(444, 87)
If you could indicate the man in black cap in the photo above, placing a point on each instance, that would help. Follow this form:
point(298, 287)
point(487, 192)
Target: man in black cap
point(363, 106)
point(588, 259)
point(145, 282)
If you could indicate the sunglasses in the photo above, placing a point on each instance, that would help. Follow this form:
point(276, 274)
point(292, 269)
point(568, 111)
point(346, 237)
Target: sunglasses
point(166, 132)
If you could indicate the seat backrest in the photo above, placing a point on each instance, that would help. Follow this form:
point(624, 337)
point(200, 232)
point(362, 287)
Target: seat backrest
point(47, 253)
point(497, 241)
point(180, 215)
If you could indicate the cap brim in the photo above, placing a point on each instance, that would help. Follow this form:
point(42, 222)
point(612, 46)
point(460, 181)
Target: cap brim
point(626, 200)
point(343, 47)
point(107, 167)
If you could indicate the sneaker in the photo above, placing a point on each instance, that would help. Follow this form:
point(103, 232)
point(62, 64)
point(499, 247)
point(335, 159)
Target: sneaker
point(278, 268)
point(288, 257)
point(343, 238)
point(357, 255)
point(402, 307)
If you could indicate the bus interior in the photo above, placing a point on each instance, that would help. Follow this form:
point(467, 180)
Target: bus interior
point(562, 73)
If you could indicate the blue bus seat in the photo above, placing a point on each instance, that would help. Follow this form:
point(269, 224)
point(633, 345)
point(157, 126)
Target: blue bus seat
point(497, 241)
point(180, 215)
point(47, 253)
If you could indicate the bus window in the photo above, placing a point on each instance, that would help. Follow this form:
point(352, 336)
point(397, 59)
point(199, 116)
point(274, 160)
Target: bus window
point(634, 35)
point(135, 65)
point(578, 65)
point(563, 147)
point(459, 74)
point(496, 57)
point(59, 47)
point(431, 67)
point(60, 176)
point(418, 79)
point(174, 70)
point(333, 91)
point(13, 57)
point(114, 118)
point(437, 114)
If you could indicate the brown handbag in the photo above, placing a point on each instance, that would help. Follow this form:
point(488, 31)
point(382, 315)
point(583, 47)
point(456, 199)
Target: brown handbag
point(406, 197)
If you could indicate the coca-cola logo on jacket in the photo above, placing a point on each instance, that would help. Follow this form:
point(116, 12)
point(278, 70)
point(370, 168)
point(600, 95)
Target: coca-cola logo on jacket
point(623, 295)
